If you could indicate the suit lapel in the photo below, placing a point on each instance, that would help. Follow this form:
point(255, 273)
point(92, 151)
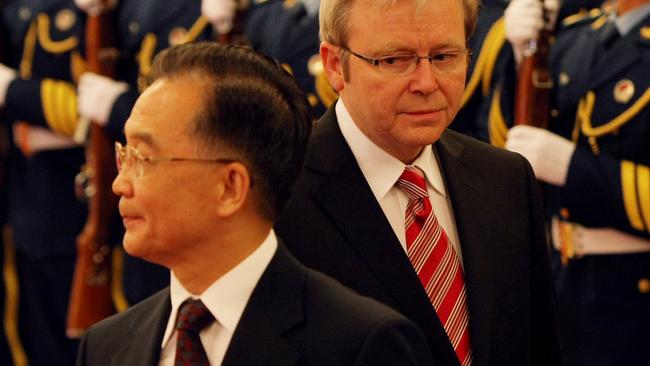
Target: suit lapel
point(467, 192)
point(275, 307)
point(147, 334)
point(347, 199)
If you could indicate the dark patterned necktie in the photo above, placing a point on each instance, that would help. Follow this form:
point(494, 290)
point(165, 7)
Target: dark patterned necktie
point(193, 316)
point(436, 263)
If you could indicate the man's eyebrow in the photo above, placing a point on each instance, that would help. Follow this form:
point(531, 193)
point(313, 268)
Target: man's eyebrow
point(396, 48)
point(144, 138)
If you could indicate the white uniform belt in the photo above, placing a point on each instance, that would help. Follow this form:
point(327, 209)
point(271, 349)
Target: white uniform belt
point(35, 139)
point(590, 241)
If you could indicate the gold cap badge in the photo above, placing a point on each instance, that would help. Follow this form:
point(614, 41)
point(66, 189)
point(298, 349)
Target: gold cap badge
point(623, 91)
point(564, 78)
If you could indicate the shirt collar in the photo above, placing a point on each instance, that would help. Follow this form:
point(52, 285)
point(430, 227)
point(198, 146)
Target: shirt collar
point(381, 169)
point(227, 297)
point(626, 22)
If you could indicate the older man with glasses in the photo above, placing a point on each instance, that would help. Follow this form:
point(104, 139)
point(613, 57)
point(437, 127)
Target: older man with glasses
point(443, 228)
point(214, 146)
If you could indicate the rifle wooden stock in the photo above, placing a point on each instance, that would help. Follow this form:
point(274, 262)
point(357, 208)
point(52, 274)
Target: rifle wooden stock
point(90, 298)
point(534, 84)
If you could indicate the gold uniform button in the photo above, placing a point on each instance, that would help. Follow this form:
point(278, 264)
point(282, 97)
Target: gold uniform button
point(644, 285)
point(24, 13)
point(288, 4)
point(315, 65)
point(134, 27)
point(564, 79)
point(555, 112)
point(65, 20)
point(645, 33)
point(177, 36)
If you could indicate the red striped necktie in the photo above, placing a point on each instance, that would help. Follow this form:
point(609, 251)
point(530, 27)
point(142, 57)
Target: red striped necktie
point(193, 316)
point(436, 263)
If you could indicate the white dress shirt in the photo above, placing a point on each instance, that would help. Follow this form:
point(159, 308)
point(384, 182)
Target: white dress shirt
point(382, 171)
point(226, 299)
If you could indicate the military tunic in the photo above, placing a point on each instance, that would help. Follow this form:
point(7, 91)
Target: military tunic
point(600, 101)
point(44, 40)
point(285, 31)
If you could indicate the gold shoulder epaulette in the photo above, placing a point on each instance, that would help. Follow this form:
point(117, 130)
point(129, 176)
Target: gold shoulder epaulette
point(581, 16)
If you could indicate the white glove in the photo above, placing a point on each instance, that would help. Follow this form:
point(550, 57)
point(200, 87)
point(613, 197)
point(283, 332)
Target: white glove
point(96, 96)
point(94, 7)
point(549, 154)
point(524, 19)
point(7, 75)
point(220, 13)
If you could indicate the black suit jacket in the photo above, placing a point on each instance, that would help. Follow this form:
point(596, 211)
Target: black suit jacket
point(295, 316)
point(334, 224)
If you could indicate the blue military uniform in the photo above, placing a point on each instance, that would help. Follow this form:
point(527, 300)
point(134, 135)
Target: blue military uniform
point(145, 28)
point(489, 51)
point(44, 44)
point(491, 62)
point(5, 354)
point(601, 101)
point(285, 31)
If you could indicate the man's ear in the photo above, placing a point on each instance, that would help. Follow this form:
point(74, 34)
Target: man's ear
point(232, 189)
point(333, 65)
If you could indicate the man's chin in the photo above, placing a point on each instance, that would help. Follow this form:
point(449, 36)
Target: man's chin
point(133, 245)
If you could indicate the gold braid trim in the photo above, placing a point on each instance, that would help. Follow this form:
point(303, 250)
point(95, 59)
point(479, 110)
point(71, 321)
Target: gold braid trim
point(196, 29)
point(28, 52)
point(12, 297)
point(485, 62)
point(628, 182)
point(643, 186)
point(497, 127)
point(497, 39)
point(324, 89)
point(599, 22)
point(117, 289)
point(77, 66)
point(59, 101)
point(144, 57)
point(47, 43)
point(586, 107)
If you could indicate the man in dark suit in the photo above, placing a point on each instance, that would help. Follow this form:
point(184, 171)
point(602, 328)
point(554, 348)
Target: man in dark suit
point(399, 68)
point(214, 145)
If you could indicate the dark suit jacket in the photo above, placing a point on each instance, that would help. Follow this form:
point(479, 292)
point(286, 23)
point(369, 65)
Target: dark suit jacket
point(295, 316)
point(334, 224)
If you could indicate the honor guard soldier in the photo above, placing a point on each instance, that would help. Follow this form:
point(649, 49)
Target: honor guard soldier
point(5, 354)
point(143, 29)
point(594, 159)
point(490, 49)
point(288, 31)
point(42, 61)
point(491, 55)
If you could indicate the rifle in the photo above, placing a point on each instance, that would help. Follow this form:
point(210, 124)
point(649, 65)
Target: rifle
point(534, 83)
point(236, 34)
point(90, 297)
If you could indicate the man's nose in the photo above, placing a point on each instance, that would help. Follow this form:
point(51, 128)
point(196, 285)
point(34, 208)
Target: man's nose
point(425, 80)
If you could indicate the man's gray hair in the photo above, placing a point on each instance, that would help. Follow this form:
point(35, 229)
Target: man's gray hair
point(335, 14)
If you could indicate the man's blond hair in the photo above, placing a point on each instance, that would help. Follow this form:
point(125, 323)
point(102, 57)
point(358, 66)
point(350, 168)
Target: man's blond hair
point(335, 14)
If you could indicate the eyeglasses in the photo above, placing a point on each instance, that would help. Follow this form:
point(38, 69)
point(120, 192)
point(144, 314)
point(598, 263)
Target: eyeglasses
point(128, 156)
point(443, 62)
